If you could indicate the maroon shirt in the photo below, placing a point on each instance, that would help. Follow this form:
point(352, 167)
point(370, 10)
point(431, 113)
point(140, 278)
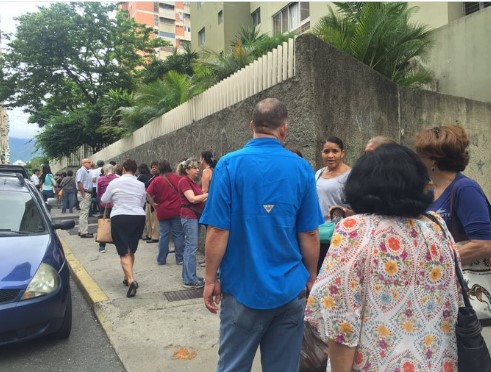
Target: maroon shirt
point(166, 196)
point(187, 184)
point(102, 183)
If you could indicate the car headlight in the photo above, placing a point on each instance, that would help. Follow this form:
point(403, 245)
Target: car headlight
point(45, 281)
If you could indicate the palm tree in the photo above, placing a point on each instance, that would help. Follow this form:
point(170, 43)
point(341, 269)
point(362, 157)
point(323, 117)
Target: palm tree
point(155, 99)
point(247, 46)
point(381, 36)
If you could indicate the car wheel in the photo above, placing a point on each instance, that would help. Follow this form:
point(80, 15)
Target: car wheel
point(66, 326)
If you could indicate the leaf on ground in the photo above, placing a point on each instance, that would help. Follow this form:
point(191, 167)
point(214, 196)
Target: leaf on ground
point(184, 353)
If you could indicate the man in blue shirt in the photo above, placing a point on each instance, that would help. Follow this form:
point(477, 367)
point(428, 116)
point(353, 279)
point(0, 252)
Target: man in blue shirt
point(262, 215)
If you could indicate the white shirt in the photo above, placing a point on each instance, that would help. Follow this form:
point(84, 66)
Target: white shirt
point(95, 173)
point(83, 175)
point(127, 195)
point(35, 179)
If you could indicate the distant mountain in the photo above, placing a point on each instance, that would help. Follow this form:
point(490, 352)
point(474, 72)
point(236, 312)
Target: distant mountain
point(22, 149)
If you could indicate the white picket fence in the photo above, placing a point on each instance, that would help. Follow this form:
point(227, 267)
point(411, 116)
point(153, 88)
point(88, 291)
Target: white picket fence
point(267, 71)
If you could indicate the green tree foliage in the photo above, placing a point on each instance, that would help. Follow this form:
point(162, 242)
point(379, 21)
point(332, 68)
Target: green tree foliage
point(179, 61)
point(382, 36)
point(247, 46)
point(155, 99)
point(63, 59)
point(36, 163)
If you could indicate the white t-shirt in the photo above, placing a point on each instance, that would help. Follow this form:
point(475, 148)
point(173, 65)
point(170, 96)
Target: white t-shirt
point(330, 192)
point(127, 195)
point(35, 180)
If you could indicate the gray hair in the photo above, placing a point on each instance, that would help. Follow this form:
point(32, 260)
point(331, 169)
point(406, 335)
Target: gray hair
point(186, 164)
point(108, 168)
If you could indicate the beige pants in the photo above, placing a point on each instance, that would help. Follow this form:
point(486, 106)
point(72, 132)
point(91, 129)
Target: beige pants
point(151, 223)
point(83, 220)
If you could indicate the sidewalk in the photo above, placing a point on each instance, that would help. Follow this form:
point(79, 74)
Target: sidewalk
point(164, 318)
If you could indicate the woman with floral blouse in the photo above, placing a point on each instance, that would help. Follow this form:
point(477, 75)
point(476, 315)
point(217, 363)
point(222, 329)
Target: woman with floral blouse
point(386, 298)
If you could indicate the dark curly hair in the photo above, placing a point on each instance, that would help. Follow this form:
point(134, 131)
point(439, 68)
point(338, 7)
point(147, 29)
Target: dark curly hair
point(446, 145)
point(388, 181)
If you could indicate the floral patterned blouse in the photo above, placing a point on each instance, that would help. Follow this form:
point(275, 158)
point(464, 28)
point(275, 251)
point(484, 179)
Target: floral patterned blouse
point(388, 287)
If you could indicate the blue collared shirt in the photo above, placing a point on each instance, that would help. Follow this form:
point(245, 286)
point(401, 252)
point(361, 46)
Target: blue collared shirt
point(264, 195)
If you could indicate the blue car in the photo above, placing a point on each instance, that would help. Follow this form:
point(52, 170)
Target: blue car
point(35, 298)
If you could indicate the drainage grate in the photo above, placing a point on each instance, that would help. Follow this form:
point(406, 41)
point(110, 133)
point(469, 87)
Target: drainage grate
point(187, 294)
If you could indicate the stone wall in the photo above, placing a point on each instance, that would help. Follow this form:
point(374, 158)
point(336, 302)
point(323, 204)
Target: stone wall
point(333, 94)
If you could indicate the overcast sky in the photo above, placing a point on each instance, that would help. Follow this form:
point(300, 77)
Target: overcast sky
point(19, 127)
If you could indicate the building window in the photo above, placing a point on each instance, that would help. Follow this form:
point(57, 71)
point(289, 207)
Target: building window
point(256, 17)
point(166, 6)
point(220, 16)
point(291, 17)
point(169, 35)
point(470, 8)
point(201, 37)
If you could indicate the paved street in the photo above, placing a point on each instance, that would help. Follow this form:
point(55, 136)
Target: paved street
point(87, 349)
point(162, 323)
point(165, 327)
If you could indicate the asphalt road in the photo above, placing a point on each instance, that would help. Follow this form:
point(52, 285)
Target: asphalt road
point(87, 349)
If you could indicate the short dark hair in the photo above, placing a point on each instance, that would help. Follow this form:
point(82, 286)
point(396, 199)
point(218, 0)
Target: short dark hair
point(100, 163)
point(112, 162)
point(129, 165)
point(164, 167)
point(155, 162)
point(69, 173)
point(336, 140)
point(388, 181)
point(268, 114)
point(142, 168)
point(447, 145)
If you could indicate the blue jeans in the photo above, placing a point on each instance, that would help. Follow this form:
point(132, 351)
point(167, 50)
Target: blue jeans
point(190, 227)
point(278, 332)
point(68, 200)
point(177, 235)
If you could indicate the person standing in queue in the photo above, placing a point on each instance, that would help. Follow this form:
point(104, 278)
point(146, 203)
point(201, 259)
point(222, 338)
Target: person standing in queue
point(192, 199)
point(83, 179)
point(262, 215)
point(127, 196)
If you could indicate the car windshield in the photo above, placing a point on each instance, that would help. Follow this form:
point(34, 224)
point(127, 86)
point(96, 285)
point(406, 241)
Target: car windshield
point(20, 215)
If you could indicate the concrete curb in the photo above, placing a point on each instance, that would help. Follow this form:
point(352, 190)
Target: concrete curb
point(94, 294)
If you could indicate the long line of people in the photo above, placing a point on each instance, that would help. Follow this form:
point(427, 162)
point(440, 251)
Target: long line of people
point(386, 295)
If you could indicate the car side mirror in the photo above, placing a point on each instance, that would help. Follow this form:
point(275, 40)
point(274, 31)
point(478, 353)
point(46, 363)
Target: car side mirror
point(52, 201)
point(64, 225)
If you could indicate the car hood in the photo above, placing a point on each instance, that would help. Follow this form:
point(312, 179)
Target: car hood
point(20, 257)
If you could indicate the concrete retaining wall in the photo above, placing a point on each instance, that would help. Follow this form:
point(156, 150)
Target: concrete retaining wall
point(332, 94)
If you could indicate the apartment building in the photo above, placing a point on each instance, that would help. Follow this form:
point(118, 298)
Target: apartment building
point(460, 56)
point(171, 20)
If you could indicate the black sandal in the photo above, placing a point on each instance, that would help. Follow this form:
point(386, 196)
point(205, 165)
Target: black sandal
point(132, 289)
point(125, 282)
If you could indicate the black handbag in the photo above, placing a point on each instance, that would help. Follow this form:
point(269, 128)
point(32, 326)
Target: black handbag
point(313, 355)
point(472, 351)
